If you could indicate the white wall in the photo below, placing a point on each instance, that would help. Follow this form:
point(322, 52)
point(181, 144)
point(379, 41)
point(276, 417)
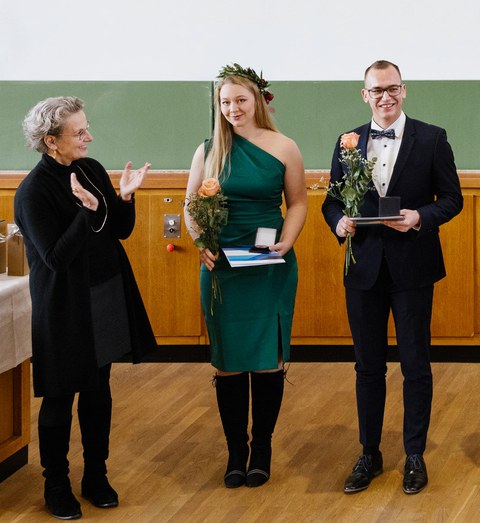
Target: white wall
point(191, 39)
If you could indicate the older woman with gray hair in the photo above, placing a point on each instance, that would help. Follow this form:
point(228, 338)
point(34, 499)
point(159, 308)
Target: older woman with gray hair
point(86, 307)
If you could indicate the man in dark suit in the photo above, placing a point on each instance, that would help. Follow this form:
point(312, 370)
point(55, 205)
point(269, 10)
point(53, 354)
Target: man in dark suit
point(397, 264)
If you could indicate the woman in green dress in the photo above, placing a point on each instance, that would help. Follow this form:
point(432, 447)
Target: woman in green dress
point(250, 328)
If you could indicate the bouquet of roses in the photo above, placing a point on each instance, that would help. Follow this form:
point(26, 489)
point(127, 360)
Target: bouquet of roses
point(353, 186)
point(207, 207)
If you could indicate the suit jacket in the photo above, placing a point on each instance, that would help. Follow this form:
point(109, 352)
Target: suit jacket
point(426, 179)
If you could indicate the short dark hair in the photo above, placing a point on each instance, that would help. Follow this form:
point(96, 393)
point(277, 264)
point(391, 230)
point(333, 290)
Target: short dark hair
point(382, 64)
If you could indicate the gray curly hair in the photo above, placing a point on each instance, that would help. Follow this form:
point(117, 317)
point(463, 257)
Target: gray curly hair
point(48, 117)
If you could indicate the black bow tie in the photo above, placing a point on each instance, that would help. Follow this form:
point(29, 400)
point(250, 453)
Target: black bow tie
point(379, 134)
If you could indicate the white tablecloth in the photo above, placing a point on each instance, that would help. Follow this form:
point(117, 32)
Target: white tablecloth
point(15, 321)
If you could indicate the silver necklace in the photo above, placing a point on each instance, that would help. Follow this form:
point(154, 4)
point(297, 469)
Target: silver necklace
point(104, 201)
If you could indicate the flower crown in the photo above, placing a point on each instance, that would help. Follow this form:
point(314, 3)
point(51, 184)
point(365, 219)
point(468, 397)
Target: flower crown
point(238, 70)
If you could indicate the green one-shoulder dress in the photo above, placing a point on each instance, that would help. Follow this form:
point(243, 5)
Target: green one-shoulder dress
point(252, 324)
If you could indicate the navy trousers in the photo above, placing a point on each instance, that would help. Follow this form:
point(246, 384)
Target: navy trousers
point(368, 313)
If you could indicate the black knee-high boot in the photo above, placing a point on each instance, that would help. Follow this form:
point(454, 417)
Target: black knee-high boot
point(267, 393)
point(94, 416)
point(54, 442)
point(95, 423)
point(233, 403)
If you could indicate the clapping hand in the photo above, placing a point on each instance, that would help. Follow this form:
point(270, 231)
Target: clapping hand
point(132, 180)
point(88, 200)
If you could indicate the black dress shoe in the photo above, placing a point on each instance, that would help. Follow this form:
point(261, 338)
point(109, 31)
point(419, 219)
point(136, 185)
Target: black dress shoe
point(415, 474)
point(99, 492)
point(61, 503)
point(367, 467)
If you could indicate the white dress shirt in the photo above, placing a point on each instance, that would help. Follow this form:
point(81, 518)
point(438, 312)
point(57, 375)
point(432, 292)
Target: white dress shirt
point(386, 151)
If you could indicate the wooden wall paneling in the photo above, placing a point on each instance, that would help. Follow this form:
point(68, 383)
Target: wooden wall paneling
point(137, 245)
point(453, 316)
point(6, 204)
point(21, 392)
point(174, 299)
point(320, 307)
point(170, 287)
point(454, 296)
point(15, 409)
point(476, 264)
point(6, 405)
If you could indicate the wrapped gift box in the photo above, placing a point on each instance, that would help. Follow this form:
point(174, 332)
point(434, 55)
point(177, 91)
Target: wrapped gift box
point(3, 246)
point(16, 256)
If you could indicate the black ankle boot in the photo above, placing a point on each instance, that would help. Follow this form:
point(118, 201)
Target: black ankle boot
point(98, 491)
point(267, 393)
point(233, 402)
point(61, 503)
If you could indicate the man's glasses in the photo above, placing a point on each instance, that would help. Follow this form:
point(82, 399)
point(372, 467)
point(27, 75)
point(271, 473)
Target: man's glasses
point(377, 92)
point(80, 135)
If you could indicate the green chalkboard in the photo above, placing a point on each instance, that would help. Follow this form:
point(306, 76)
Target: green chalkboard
point(159, 122)
point(314, 114)
point(163, 122)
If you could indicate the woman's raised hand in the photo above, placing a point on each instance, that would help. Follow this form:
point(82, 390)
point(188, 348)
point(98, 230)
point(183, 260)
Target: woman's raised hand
point(88, 200)
point(132, 180)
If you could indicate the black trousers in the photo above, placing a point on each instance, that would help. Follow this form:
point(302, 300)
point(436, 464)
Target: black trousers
point(57, 410)
point(94, 414)
point(368, 313)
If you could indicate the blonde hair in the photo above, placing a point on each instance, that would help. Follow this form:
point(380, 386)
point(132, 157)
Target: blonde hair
point(218, 152)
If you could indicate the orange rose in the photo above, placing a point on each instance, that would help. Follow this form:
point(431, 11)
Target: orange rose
point(349, 140)
point(209, 187)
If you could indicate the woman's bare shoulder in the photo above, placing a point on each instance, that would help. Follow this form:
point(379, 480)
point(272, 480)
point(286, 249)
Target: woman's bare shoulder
point(281, 140)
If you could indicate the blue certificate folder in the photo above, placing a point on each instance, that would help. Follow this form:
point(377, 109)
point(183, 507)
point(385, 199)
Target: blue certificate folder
point(242, 257)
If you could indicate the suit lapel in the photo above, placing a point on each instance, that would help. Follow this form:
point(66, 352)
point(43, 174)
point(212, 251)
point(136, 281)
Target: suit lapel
point(362, 145)
point(363, 140)
point(405, 149)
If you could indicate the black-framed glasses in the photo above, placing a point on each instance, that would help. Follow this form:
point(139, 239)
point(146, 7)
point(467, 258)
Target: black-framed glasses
point(392, 90)
point(80, 135)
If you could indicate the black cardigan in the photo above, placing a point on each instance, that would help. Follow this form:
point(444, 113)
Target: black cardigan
point(56, 232)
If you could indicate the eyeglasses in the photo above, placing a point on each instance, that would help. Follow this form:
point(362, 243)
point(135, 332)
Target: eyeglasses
point(80, 135)
point(377, 92)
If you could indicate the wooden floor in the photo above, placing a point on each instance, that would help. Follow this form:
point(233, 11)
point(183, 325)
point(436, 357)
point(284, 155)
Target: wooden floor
point(168, 453)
